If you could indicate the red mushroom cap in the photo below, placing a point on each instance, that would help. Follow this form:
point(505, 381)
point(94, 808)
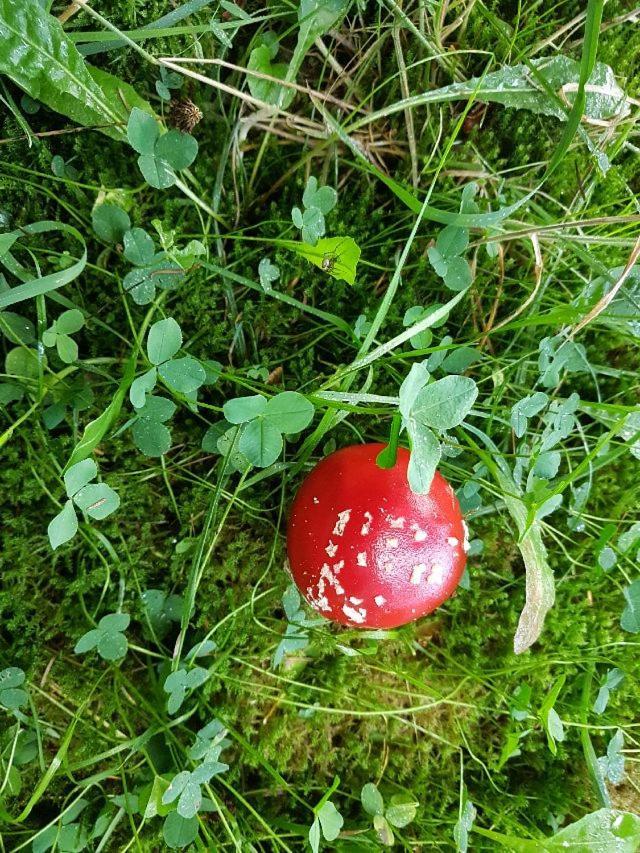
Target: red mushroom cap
point(364, 550)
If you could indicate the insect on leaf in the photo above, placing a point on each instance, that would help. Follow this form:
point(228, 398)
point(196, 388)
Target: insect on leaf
point(337, 256)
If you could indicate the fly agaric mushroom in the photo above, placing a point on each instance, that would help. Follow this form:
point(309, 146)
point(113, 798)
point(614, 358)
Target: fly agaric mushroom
point(364, 550)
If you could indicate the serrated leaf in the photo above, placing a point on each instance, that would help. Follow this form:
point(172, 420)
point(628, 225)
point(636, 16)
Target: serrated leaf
point(63, 527)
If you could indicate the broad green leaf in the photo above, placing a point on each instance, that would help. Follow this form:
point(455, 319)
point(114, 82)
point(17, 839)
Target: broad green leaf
point(260, 60)
point(112, 646)
point(141, 386)
point(13, 698)
point(604, 831)
point(156, 172)
point(39, 57)
point(458, 275)
point(183, 374)
point(331, 821)
point(314, 836)
point(630, 619)
point(177, 149)
point(98, 500)
point(87, 641)
point(323, 198)
point(179, 832)
point(452, 241)
point(371, 799)
point(142, 131)
point(114, 622)
point(138, 247)
point(240, 410)
point(78, 475)
point(260, 442)
point(337, 256)
point(414, 382)
point(10, 677)
point(69, 322)
point(22, 363)
point(110, 222)
point(63, 527)
point(17, 329)
point(383, 830)
point(425, 456)
point(163, 341)
point(151, 437)
point(401, 811)
point(289, 412)
point(67, 349)
point(190, 799)
point(445, 403)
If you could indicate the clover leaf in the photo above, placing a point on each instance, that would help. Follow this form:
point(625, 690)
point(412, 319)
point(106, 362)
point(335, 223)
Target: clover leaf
point(97, 500)
point(184, 375)
point(328, 821)
point(161, 155)
point(12, 696)
point(179, 682)
point(152, 269)
point(264, 422)
point(317, 202)
point(108, 638)
point(149, 432)
point(59, 332)
point(268, 273)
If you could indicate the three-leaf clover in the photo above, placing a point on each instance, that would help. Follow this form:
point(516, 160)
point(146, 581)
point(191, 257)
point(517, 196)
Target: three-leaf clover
point(151, 269)
point(12, 695)
point(400, 812)
point(526, 408)
point(58, 334)
point(209, 743)
point(161, 155)
point(108, 638)
point(261, 60)
point(97, 500)
point(179, 682)
point(186, 788)
point(184, 375)
point(612, 764)
point(317, 202)
point(168, 80)
point(150, 433)
point(425, 407)
point(263, 423)
point(446, 257)
point(612, 680)
point(296, 638)
point(268, 273)
point(466, 817)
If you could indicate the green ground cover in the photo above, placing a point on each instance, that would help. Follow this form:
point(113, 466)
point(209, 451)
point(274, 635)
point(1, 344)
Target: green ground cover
point(160, 686)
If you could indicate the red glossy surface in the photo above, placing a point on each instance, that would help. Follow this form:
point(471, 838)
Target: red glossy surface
point(364, 550)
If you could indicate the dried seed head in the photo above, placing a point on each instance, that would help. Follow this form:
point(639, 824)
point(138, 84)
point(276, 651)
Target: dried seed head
point(184, 114)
